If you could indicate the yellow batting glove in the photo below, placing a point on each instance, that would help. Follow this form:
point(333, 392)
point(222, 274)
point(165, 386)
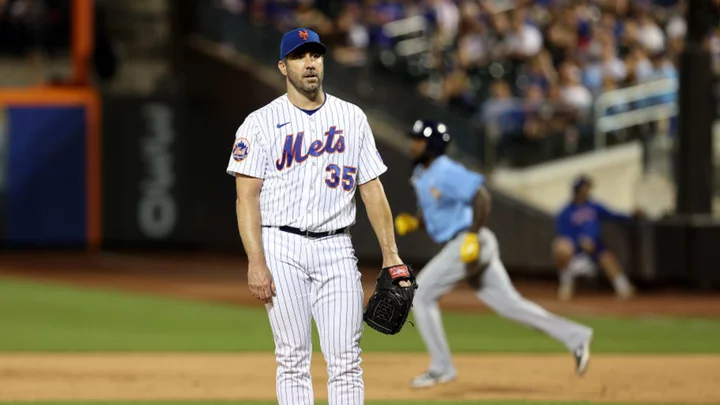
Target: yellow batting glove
point(405, 223)
point(470, 249)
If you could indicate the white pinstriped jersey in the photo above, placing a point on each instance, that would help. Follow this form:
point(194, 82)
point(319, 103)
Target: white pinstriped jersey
point(311, 164)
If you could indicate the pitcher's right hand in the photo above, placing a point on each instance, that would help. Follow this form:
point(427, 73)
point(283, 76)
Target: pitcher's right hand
point(260, 282)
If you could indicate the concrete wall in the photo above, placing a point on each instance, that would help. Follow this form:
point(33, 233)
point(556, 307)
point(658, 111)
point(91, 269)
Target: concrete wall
point(617, 172)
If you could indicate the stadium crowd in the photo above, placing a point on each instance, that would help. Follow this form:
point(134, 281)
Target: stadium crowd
point(568, 49)
point(511, 61)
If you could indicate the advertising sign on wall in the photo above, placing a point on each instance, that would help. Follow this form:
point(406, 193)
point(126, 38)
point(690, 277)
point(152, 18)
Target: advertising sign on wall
point(143, 159)
point(49, 168)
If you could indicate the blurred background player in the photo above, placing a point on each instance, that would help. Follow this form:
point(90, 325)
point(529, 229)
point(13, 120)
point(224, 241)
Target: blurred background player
point(578, 246)
point(453, 208)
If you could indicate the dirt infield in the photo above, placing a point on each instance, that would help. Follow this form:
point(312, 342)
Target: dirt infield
point(100, 377)
point(223, 279)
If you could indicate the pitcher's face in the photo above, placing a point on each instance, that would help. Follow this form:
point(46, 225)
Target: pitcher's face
point(304, 69)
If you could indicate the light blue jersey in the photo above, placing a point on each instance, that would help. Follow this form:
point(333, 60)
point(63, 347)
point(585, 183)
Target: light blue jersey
point(444, 192)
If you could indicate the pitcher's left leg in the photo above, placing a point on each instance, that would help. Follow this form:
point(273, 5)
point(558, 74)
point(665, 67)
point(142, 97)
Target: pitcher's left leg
point(338, 311)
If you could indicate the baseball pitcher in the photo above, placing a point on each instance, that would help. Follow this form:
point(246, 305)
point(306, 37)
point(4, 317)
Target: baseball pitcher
point(297, 163)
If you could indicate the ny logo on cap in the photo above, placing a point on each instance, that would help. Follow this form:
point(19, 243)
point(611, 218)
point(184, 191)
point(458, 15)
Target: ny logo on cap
point(303, 34)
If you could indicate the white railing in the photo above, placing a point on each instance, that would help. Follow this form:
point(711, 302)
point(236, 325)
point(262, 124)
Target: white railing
point(625, 96)
point(415, 29)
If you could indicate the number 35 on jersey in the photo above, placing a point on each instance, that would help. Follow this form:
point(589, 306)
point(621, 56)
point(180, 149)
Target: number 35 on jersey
point(334, 143)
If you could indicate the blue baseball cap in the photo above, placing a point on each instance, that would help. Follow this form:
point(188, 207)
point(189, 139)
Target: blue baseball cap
point(581, 181)
point(297, 38)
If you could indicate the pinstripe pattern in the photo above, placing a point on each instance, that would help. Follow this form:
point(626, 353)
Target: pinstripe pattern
point(298, 194)
point(337, 310)
point(290, 315)
point(315, 278)
point(311, 165)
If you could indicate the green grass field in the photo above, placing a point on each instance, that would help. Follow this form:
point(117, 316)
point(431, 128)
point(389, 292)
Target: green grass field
point(39, 317)
point(50, 318)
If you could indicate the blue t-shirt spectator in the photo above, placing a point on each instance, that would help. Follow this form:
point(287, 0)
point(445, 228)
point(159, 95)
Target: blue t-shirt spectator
point(578, 220)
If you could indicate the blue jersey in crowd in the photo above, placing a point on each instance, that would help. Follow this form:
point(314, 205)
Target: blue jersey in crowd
point(445, 191)
point(584, 219)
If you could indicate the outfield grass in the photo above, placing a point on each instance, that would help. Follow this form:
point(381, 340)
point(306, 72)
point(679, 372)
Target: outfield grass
point(43, 317)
